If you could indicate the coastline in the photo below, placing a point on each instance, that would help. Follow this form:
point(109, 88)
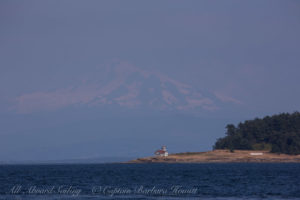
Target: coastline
point(221, 156)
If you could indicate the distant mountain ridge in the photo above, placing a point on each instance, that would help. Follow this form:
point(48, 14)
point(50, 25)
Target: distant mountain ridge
point(127, 86)
point(96, 160)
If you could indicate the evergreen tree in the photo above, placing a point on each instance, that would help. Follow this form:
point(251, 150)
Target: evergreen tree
point(277, 133)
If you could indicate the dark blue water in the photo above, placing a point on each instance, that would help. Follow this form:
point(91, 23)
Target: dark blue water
point(151, 181)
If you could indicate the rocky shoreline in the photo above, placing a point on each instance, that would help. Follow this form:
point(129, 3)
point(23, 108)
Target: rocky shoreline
point(222, 156)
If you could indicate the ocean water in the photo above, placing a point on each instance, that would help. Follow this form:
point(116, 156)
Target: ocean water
point(151, 181)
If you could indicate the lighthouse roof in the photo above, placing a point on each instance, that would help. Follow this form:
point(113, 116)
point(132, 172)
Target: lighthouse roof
point(160, 152)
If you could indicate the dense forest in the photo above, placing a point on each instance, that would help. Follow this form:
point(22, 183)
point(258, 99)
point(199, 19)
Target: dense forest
point(277, 133)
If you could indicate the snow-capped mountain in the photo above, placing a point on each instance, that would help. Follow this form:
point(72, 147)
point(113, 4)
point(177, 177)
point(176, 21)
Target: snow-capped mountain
point(127, 86)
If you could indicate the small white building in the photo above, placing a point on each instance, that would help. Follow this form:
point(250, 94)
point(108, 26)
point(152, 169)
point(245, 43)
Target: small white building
point(257, 154)
point(162, 152)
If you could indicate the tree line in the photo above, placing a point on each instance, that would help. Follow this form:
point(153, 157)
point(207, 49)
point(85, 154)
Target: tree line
point(278, 134)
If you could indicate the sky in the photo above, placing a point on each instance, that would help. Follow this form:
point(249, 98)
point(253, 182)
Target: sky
point(84, 79)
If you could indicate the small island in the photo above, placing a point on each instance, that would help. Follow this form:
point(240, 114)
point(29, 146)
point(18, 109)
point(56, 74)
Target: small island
point(270, 139)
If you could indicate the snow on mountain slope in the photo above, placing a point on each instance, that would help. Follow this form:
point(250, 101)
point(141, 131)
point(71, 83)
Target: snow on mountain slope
point(126, 86)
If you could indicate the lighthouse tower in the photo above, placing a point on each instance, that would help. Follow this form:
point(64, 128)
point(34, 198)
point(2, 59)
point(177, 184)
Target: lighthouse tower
point(162, 152)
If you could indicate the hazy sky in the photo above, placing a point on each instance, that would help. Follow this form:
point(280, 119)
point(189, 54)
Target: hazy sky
point(243, 52)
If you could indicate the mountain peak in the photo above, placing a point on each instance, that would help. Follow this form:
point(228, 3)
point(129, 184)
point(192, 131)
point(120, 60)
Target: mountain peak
point(124, 85)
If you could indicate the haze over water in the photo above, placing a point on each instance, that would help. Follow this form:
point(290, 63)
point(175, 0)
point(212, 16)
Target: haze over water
point(86, 80)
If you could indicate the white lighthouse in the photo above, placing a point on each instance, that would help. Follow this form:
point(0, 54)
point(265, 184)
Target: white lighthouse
point(162, 152)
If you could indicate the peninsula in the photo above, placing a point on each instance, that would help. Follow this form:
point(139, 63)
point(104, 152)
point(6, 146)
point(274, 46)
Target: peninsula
point(270, 139)
point(222, 156)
